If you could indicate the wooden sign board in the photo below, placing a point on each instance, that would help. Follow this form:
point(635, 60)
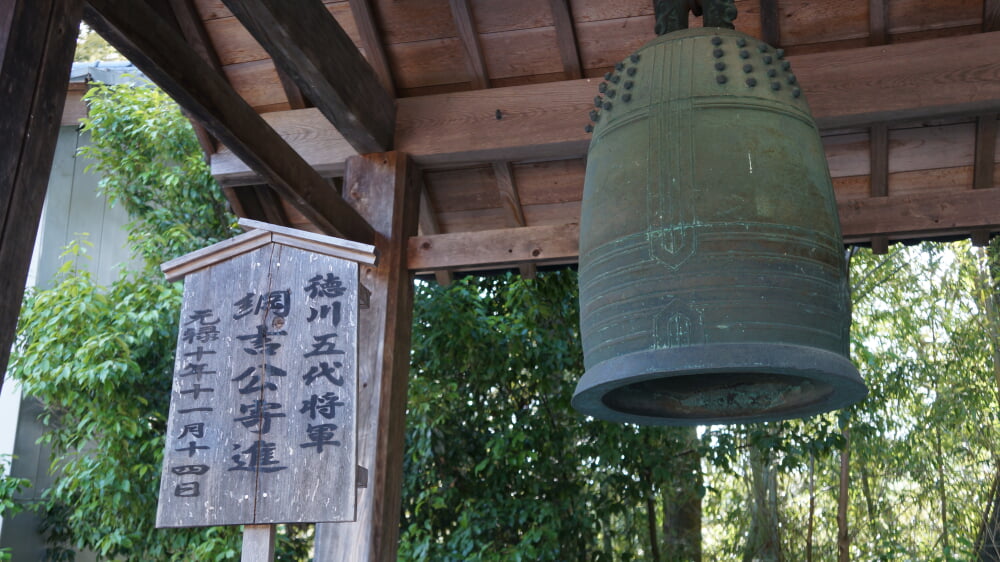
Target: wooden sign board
point(262, 424)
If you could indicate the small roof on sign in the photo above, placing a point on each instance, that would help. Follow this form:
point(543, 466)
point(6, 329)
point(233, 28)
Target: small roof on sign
point(261, 234)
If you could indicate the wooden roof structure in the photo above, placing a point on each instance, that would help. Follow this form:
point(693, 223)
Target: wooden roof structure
point(491, 99)
point(364, 118)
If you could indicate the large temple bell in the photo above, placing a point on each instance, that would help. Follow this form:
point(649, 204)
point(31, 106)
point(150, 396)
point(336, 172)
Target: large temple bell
point(713, 283)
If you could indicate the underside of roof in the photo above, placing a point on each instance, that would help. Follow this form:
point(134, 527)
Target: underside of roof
point(490, 100)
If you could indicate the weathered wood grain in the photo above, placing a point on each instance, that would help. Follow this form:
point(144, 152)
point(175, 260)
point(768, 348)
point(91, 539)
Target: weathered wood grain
point(150, 44)
point(37, 38)
point(311, 47)
point(381, 187)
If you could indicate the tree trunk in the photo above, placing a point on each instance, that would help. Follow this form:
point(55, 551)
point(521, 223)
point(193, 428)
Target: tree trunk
point(764, 538)
point(682, 504)
point(943, 494)
point(843, 536)
point(988, 540)
point(812, 508)
point(654, 543)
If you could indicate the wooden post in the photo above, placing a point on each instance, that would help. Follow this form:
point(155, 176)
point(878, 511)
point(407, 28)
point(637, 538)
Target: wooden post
point(258, 543)
point(37, 38)
point(382, 188)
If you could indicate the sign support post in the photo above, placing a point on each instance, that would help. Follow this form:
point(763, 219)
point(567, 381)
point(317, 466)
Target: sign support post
point(258, 543)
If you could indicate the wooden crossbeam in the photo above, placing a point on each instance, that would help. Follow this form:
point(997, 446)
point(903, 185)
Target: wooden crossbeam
point(899, 218)
point(371, 42)
point(562, 19)
point(308, 44)
point(853, 88)
point(461, 11)
point(37, 38)
point(146, 40)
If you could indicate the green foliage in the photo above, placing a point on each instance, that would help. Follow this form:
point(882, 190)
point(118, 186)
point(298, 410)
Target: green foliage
point(150, 162)
point(91, 47)
point(498, 465)
point(9, 487)
point(101, 358)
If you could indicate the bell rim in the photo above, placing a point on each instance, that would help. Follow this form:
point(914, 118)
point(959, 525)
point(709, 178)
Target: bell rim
point(786, 360)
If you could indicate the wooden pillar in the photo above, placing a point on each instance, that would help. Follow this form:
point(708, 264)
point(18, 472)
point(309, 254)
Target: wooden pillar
point(37, 40)
point(382, 188)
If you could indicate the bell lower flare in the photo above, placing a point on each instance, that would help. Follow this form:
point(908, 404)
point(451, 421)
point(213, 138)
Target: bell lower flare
point(718, 384)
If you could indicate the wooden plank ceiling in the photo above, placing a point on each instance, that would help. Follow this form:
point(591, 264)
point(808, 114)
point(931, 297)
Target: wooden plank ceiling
point(491, 100)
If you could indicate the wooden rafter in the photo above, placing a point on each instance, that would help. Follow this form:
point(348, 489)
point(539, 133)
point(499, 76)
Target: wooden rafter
point(991, 15)
point(461, 11)
point(984, 164)
point(191, 27)
point(428, 227)
point(371, 42)
point(879, 150)
point(770, 23)
point(149, 42)
point(507, 187)
point(854, 88)
point(986, 144)
point(562, 19)
point(309, 45)
point(878, 22)
point(296, 99)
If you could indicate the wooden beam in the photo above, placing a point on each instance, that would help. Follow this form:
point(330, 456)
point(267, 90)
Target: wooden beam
point(562, 19)
point(461, 11)
point(770, 23)
point(878, 22)
point(381, 187)
point(489, 249)
point(991, 15)
point(879, 151)
point(853, 88)
point(984, 164)
point(194, 32)
point(148, 41)
point(37, 39)
point(296, 99)
point(986, 145)
point(903, 217)
point(428, 224)
point(309, 45)
point(371, 42)
point(920, 215)
point(512, 203)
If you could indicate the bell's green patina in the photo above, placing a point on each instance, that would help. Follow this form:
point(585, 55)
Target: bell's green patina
point(713, 282)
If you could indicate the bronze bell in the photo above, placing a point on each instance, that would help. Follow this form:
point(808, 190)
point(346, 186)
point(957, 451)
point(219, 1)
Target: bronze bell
point(713, 282)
